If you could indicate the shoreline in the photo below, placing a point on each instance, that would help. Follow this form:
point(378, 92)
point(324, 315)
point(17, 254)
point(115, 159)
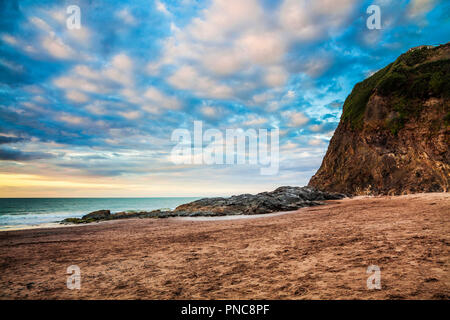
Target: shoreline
point(282, 199)
point(60, 224)
point(52, 225)
point(320, 252)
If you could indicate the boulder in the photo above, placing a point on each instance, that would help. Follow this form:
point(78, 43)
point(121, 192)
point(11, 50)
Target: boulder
point(97, 215)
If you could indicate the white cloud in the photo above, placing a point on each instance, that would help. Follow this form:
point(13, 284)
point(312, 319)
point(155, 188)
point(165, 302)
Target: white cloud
point(420, 7)
point(9, 39)
point(150, 108)
point(317, 66)
point(76, 96)
point(225, 17)
point(308, 20)
point(71, 119)
point(122, 62)
point(41, 24)
point(187, 78)
point(84, 78)
point(11, 65)
point(234, 47)
point(262, 97)
point(120, 69)
point(160, 6)
point(212, 111)
point(316, 127)
point(209, 111)
point(296, 119)
point(32, 106)
point(78, 83)
point(315, 142)
point(151, 100)
point(57, 48)
point(130, 115)
point(294, 16)
point(13, 41)
point(54, 44)
point(82, 35)
point(223, 42)
point(162, 100)
point(289, 146)
point(132, 95)
point(87, 72)
point(254, 120)
point(276, 76)
point(126, 16)
point(57, 14)
point(274, 98)
point(29, 49)
point(97, 107)
point(223, 62)
point(40, 99)
point(263, 48)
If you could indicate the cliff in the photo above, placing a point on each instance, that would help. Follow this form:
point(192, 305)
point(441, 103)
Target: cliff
point(393, 136)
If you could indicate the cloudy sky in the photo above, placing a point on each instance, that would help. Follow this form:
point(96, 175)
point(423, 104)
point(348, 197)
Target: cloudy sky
point(90, 112)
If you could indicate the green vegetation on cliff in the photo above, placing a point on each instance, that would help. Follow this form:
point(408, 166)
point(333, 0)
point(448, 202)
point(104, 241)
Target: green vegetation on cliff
point(414, 77)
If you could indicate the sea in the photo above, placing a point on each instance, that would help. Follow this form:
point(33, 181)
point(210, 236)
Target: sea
point(36, 211)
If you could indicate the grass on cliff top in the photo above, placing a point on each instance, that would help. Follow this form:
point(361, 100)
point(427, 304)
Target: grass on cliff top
point(407, 81)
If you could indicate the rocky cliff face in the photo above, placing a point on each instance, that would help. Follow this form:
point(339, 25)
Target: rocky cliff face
point(394, 132)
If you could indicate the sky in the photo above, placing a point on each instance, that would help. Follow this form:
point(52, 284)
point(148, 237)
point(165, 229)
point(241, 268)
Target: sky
point(90, 112)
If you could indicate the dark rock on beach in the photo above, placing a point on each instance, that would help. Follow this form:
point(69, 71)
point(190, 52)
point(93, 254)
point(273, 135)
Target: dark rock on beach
point(98, 215)
point(282, 199)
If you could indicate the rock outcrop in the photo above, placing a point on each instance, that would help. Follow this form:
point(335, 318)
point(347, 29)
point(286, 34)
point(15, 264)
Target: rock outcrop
point(282, 199)
point(394, 132)
point(97, 215)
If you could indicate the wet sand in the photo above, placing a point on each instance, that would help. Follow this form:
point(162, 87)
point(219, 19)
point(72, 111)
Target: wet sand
point(314, 253)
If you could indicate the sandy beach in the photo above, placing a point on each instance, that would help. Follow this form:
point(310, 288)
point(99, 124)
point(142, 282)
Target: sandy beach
point(314, 253)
